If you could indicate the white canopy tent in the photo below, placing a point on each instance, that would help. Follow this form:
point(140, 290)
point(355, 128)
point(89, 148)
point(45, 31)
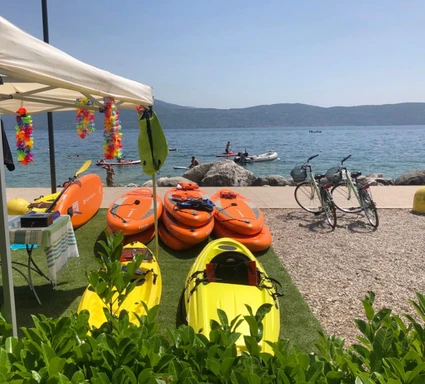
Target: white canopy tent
point(41, 78)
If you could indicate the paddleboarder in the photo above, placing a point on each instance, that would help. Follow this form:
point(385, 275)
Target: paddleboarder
point(228, 147)
point(194, 162)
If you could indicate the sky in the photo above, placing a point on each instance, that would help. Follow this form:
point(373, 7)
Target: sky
point(236, 54)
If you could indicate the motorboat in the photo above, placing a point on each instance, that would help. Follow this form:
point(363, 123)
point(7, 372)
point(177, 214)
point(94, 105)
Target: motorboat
point(267, 156)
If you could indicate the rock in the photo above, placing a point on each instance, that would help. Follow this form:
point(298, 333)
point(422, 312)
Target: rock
point(227, 173)
point(197, 173)
point(272, 180)
point(167, 181)
point(375, 179)
point(132, 185)
point(412, 178)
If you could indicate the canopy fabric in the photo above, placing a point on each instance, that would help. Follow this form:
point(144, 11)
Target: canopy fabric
point(41, 78)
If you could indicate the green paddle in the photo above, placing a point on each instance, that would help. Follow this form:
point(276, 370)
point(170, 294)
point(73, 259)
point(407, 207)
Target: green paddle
point(83, 168)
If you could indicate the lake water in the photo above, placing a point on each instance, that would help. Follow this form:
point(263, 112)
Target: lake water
point(389, 150)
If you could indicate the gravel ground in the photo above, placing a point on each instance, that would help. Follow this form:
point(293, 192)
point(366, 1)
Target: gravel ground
point(333, 270)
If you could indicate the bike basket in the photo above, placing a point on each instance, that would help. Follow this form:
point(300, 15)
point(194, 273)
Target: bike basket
point(299, 173)
point(334, 175)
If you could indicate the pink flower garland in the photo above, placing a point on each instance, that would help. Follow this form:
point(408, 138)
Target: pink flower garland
point(24, 139)
point(85, 118)
point(112, 144)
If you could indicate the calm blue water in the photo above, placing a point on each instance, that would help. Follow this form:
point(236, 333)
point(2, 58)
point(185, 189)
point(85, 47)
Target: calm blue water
point(388, 150)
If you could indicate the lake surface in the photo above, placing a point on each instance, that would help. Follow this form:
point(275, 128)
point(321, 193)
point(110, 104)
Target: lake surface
point(389, 150)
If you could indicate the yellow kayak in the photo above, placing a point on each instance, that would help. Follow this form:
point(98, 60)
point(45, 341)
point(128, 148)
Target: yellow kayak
point(227, 275)
point(148, 290)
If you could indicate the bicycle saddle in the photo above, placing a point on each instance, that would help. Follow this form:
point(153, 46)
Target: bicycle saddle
point(319, 176)
point(355, 174)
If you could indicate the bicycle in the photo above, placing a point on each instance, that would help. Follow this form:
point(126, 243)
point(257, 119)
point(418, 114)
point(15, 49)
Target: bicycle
point(311, 195)
point(349, 196)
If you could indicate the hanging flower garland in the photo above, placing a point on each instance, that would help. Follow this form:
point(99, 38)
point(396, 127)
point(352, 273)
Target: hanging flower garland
point(24, 139)
point(85, 118)
point(112, 144)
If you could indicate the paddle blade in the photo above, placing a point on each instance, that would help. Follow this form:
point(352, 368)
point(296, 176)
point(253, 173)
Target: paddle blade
point(83, 168)
point(153, 146)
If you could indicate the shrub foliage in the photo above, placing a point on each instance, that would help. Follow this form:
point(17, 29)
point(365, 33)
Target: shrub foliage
point(66, 350)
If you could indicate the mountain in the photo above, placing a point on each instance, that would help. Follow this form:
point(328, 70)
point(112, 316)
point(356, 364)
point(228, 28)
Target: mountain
point(275, 115)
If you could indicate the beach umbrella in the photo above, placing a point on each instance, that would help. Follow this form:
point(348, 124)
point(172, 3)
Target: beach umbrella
point(41, 78)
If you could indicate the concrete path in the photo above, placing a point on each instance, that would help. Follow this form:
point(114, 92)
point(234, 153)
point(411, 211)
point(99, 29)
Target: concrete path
point(263, 197)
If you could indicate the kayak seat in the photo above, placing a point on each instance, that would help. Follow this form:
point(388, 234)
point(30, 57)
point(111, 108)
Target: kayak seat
point(233, 272)
point(129, 253)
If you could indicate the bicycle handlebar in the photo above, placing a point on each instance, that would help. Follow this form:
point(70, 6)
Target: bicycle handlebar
point(346, 158)
point(312, 157)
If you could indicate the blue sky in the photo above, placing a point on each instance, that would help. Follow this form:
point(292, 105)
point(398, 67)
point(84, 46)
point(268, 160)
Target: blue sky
point(231, 54)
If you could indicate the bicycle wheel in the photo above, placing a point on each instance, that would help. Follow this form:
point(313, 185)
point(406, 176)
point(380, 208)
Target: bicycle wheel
point(329, 208)
point(306, 197)
point(369, 208)
point(345, 199)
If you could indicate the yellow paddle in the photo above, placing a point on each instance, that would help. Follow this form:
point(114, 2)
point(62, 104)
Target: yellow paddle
point(83, 168)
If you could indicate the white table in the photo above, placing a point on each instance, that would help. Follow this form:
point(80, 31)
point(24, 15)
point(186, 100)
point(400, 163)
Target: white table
point(58, 240)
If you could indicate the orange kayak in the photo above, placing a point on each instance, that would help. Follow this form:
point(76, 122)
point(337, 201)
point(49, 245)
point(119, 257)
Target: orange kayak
point(187, 234)
point(237, 212)
point(133, 211)
point(170, 240)
point(255, 243)
point(191, 216)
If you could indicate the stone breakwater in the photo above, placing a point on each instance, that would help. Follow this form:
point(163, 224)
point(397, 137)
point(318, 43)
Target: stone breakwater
point(227, 173)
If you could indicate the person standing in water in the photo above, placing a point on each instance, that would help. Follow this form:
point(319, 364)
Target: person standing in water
point(110, 172)
point(228, 147)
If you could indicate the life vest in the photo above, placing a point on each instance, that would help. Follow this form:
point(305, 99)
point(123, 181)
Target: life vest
point(227, 194)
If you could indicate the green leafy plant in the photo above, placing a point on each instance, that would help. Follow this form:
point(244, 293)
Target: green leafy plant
point(113, 283)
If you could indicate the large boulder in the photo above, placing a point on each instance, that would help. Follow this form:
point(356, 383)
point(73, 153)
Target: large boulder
point(375, 179)
point(272, 180)
point(198, 172)
point(167, 182)
point(412, 178)
point(227, 173)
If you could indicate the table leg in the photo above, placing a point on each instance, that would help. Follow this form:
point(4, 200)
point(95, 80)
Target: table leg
point(31, 285)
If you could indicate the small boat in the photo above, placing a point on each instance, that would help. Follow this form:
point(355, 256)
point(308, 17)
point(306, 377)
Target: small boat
point(316, 131)
point(118, 163)
point(81, 200)
point(148, 290)
point(229, 154)
point(172, 149)
point(189, 204)
point(237, 212)
point(227, 276)
point(133, 212)
point(267, 156)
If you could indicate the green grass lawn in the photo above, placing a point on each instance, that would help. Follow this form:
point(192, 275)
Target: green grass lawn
point(297, 322)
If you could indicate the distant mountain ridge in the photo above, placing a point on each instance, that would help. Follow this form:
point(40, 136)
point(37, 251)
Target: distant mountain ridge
point(263, 116)
point(289, 115)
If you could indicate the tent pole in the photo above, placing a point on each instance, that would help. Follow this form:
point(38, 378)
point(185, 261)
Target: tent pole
point(8, 309)
point(49, 114)
point(155, 216)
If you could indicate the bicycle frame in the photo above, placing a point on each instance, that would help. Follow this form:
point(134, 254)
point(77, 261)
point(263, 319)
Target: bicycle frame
point(315, 186)
point(352, 187)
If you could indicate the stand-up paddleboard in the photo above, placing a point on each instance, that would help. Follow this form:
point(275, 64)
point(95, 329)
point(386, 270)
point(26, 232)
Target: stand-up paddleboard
point(237, 212)
point(170, 240)
point(81, 200)
point(255, 243)
point(118, 163)
point(187, 205)
point(185, 233)
point(133, 211)
point(179, 167)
